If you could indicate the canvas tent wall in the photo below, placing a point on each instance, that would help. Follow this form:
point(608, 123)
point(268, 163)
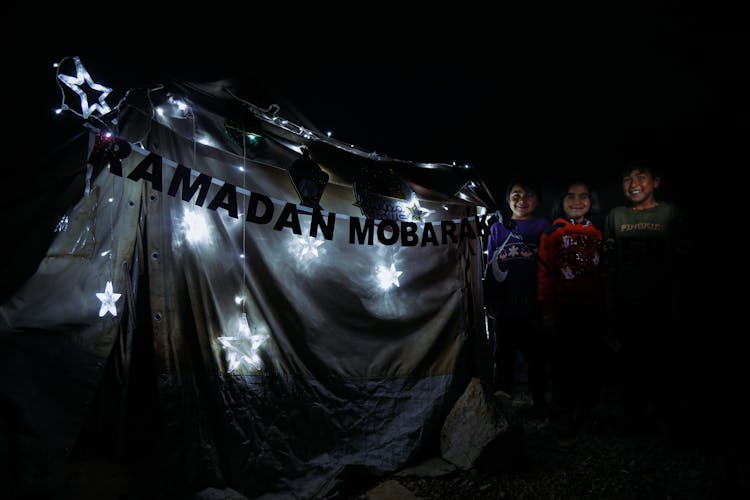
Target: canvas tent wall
point(291, 342)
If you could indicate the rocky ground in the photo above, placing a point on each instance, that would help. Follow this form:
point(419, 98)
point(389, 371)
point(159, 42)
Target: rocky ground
point(603, 461)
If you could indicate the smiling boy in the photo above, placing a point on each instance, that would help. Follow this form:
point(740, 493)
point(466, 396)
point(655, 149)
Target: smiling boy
point(642, 250)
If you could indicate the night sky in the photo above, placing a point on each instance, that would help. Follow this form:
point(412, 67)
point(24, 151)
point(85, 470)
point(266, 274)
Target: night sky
point(553, 102)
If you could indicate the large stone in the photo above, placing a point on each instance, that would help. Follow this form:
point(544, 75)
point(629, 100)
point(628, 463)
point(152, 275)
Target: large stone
point(474, 423)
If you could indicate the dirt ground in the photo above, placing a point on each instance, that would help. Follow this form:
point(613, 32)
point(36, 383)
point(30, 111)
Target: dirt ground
point(602, 461)
point(705, 457)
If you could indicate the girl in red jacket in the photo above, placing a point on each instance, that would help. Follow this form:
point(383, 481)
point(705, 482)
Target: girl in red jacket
point(571, 297)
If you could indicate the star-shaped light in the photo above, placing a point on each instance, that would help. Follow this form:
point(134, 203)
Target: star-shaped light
point(414, 211)
point(309, 245)
point(388, 277)
point(108, 299)
point(243, 347)
point(75, 82)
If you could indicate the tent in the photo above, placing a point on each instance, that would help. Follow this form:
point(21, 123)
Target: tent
point(302, 311)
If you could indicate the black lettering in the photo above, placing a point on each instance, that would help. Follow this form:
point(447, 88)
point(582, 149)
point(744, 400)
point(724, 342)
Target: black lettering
point(181, 177)
point(141, 171)
point(288, 218)
point(229, 192)
point(383, 228)
point(252, 208)
point(409, 236)
point(318, 222)
point(429, 235)
point(356, 230)
point(448, 228)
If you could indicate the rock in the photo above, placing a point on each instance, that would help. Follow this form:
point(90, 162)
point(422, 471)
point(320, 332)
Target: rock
point(390, 490)
point(473, 424)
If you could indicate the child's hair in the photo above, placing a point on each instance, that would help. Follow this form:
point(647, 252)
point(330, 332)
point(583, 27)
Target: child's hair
point(559, 211)
point(643, 167)
point(527, 184)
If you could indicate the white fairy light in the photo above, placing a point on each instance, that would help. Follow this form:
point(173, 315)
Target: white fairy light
point(388, 277)
point(205, 140)
point(181, 105)
point(62, 224)
point(108, 299)
point(75, 82)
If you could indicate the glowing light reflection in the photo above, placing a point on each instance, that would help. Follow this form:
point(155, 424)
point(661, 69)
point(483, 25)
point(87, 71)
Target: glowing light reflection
point(195, 227)
point(388, 276)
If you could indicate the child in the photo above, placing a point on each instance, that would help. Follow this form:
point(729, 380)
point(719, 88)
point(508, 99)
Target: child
point(571, 297)
point(642, 244)
point(511, 274)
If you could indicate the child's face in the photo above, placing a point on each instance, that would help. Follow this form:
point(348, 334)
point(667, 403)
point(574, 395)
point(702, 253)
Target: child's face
point(639, 186)
point(577, 202)
point(522, 203)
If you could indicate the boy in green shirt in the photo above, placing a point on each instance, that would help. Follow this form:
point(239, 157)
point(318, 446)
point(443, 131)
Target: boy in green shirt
point(642, 267)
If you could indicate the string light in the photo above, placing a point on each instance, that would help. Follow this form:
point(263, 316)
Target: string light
point(75, 83)
point(62, 224)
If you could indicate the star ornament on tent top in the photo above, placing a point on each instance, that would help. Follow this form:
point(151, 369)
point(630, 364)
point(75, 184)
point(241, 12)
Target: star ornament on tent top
point(75, 82)
point(108, 299)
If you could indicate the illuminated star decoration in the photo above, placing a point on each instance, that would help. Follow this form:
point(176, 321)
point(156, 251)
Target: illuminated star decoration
point(414, 211)
point(309, 245)
point(388, 276)
point(108, 299)
point(242, 348)
point(75, 82)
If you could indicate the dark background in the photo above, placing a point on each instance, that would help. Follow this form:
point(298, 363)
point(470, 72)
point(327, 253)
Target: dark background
point(547, 94)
